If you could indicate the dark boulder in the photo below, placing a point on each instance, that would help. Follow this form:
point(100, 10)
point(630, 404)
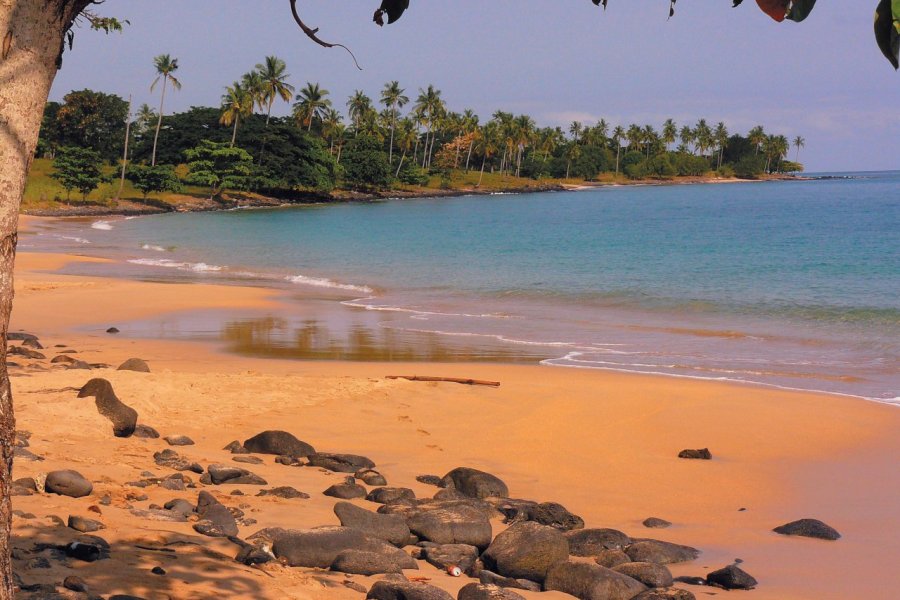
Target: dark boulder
point(235, 447)
point(527, 551)
point(220, 474)
point(145, 431)
point(68, 483)
point(179, 440)
point(480, 591)
point(444, 556)
point(367, 562)
point(318, 548)
point(390, 528)
point(586, 581)
point(429, 480)
point(490, 578)
point(123, 417)
point(650, 574)
point(135, 364)
point(215, 518)
point(112, 330)
point(732, 578)
point(591, 542)
point(450, 524)
point(346, 491)
point(280, 443)
point(24, 486)
point(84, 525)
point(370, 477)
point(661, 553)
point(665, 594)
point(555, 515)
point(171, 459)
point(812, 528)
point(611, 558)
point(339, 463)
point(285, 491)
point(179, 506)
point(400, 589)
point(699, 454)
point(388, 495)
point(474, 483)
point(655, 523)
point(249, 460)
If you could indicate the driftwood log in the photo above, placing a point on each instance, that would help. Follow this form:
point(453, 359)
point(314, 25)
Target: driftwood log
point(446, 379)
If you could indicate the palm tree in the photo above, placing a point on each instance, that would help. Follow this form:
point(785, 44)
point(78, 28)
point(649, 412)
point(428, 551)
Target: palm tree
point(488, 144)
point(687, 137)
point(407, 138)
point(431, 107)
point(669, 132)
point(523, 136)
point(799, 142)
point(392, 96)
point(237, 102)
point(618, 136)
point(470, 123)
point(721, 137)
point(704, 136)
point(165, 66)
point(358, 105)
point(575, 130)
point(274, 83)
point(331, 122)
point(635, 137)
point(143, 120)
point(757, 137)
point(311, 103)
point(649, 137)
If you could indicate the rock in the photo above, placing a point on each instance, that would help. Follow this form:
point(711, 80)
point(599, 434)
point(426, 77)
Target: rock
point(285, 491)
point(179, 440)
point(362, 562)
point(555, 515)
point(171, 459)
point(249, 460)
point(124, 418)
point(689, 580)
point(591, 542)
point(288, 461)
point(650, 574)
point(450, 524)
point(85, 525)
point(654, 523)
point(235, 447)
point(390, 528)
point(112, 330)
point(346, 491)
point(591, 582)
point(527, 551)
point(20, 336)
point(62, 358)
point(252, 555)
point(339, 463)
point(155, 514)
point(32, 343)
point(661, 553)
point(88, 548)
point(701, 454)
point(280, 443)
point(452, 555)
point(158, 571)
point(220, 474)
point(24, 486)
point(611, 558)
point(490, 578)
point(80, 364)
point(145, 431)
point(429, 480)
point(480, 591)
point(26, 352)
point(665, 594)
point(67, 483)
point(318, 548)
point(387, 495)
point(812, 528)
point(732, 578)
point(405, 590)
point(75, 584)
point(215, 518)
point(134, 364)
point(370, 477)
point(474, 483)
point(179, 506)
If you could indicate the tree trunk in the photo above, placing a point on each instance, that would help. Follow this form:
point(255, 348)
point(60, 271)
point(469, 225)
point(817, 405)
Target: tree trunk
point(480, 177)
point(469, 157)
point(234, 131)
point(162, 100)
point(400, 166)
point(125, 154)
point(391, 151)
point(31, 35)
point(262, 146)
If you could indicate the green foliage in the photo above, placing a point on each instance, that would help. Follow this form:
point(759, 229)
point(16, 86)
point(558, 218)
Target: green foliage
point(750, 167)
point(218, 166)
point(789, 166)
point(658, 167)
point(688, 165)
point(412, 174)
point(77, 169)
point(535, 167)
point(293, 159)
point(86, 119)
point(591, 161)
point(147, 179)
point(366, 163)
point(725, 171)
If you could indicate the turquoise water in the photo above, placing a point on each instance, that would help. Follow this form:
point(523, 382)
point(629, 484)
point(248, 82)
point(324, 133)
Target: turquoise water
point(795, 284)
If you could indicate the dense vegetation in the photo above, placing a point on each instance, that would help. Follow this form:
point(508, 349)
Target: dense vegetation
point(241, 146)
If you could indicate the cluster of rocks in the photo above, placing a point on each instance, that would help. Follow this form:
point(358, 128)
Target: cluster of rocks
point(30, 348)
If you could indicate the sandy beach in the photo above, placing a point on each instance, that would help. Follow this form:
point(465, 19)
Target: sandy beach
point(602, 444)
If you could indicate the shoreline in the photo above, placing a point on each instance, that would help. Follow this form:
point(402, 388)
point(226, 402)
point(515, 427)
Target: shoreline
point(153, 206)
point(603, 444)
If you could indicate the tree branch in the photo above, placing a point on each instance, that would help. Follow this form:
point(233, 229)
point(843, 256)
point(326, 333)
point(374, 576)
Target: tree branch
point(311, 34)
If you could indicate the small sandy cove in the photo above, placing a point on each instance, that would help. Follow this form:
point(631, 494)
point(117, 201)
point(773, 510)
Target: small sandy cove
point(602, 444)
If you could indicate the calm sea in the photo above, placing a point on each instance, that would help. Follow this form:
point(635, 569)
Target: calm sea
point(794, 284)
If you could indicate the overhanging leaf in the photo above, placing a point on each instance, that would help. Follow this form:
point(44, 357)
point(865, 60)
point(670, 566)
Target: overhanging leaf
point(394, 9)
point(800, 9)
point(777, 9)
point(887, 32)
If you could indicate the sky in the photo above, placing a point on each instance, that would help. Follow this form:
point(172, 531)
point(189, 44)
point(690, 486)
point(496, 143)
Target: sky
point(557, 60)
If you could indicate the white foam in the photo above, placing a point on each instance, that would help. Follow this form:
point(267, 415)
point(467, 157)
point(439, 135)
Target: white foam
point(154, 248)
point(80, 240)
point(420, 315)
point(102, 225)
point(327, 283)
point(172, 264)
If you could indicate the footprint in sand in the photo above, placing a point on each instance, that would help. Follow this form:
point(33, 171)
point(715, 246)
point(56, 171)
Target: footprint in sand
point(423, 432)
point(404, 418)
point(434, 447)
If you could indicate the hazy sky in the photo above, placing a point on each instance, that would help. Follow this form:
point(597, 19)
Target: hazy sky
point(557, 60)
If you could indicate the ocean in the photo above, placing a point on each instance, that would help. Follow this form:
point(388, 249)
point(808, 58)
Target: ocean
point(793, 284)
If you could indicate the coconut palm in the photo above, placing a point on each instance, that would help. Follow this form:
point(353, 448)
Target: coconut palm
point(143, 120)
point(392, 96)
point(757, 137)
point(237, 102)
point(470, 124)
point(687, 137)
point(488, 143)
point(575, 130)
point(311, 104)
point(618, 136)
point(704, 136)
point(407, 138)
point(358, 105)
point(721, 137)
point(332, 121)
point(799, 142)
point(669, 132)
point(165, 65)
point(274, 83)
point(431, 107)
